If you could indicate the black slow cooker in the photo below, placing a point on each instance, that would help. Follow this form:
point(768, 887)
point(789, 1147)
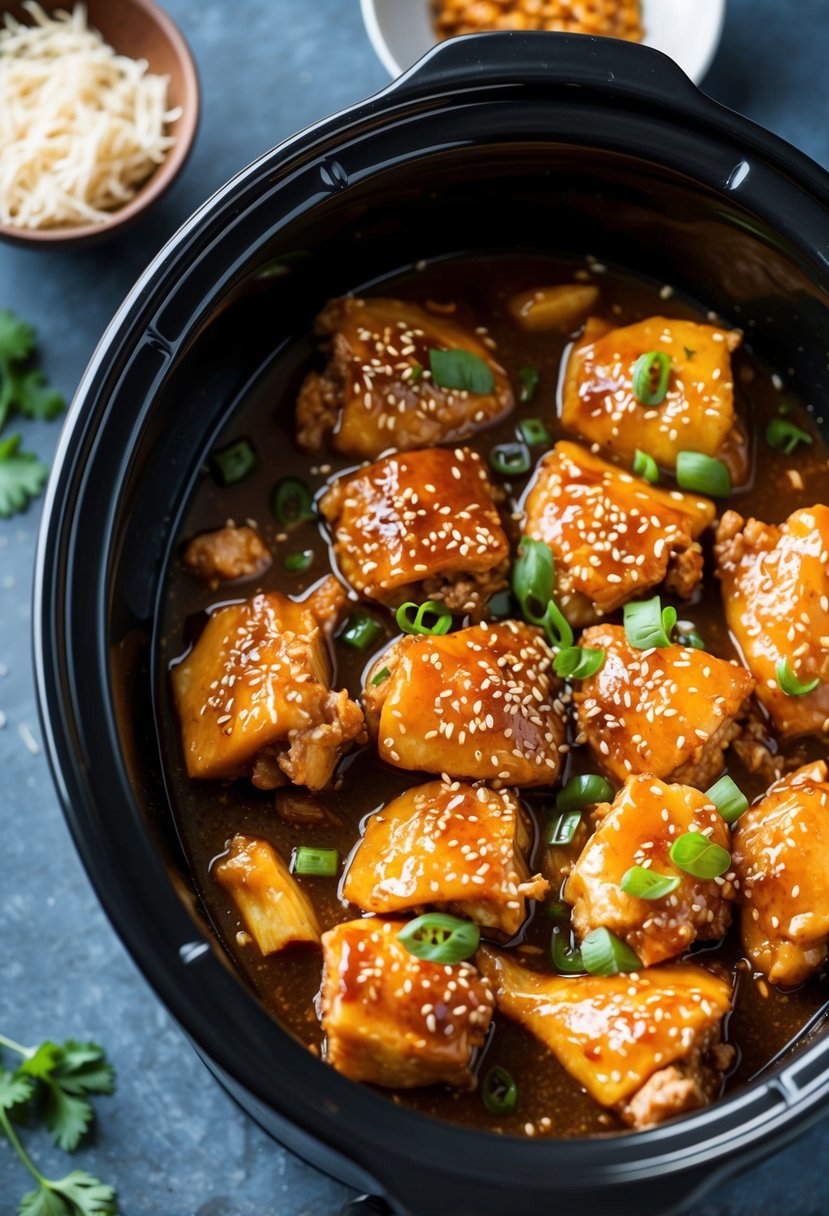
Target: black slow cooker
point(513, 142)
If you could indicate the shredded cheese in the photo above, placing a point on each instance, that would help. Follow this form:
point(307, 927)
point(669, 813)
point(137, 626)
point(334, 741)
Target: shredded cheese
point(81, 127)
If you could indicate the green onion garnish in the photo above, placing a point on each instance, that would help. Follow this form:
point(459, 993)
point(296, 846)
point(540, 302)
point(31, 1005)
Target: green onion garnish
point(499, 1093)
point(529, 377)
point(603, 953)
point(411, 618)
point(690, 637)
point(533, 576)
point(578, 662)
point(316, 863)
point(510, 459)
point(437, 937)
point(651, 373)
point(299, 561)
point(291, 501)
point(702, 474)
point(559, 632)
point(587, 790)
point(233, 462)
point(461, 369)
point(785, 407)
point(566, 958)
point(728, 798)
point(648, 625)
point(382, 674)
point(699, 856)
point(645, 466)
point(648, 884)
point(417, 372)
point(784, 436)
point(533, 431)
point(562, 827)
point(361, 631)
point(789, 682)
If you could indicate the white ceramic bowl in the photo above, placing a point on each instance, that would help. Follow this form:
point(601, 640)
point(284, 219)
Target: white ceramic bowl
point(687, 30)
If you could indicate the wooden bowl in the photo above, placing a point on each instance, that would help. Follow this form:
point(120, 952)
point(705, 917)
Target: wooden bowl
point(140, 29)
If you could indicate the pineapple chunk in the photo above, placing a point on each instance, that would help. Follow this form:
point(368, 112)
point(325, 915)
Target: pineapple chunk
point(562, 308)
point(274, 909)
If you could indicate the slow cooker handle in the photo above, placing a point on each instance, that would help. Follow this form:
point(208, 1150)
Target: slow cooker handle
point(521, 58)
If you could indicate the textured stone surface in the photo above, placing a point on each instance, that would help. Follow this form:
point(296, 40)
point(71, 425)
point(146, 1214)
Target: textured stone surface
point(175, 1145)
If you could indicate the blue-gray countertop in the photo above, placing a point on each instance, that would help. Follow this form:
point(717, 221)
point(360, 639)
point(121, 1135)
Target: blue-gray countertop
point(170, 1138)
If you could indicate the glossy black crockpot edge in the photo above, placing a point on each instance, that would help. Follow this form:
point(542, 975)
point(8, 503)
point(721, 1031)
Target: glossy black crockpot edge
point(422, 1166)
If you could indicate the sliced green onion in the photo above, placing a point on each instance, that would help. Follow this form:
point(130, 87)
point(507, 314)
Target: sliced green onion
point(417, 372)
point(533, 575)
point(382, 675)
point(589, 789)
point(562, 827)
point(645, 466)
point(784, 436)
point(461, 369)
point(299, 561)
point(291, 501)
point(603, 953)
point(437, 937)
point(690, 637)
point(728, 798)
point(702, 474)
point(784, 407)
point(529, 377)
point(361, 631)
point(316, 863)
point(233, 462)
point(411, 618)
point(578, 662)
point(648, 625)
point(566, 958)
point(699, 856)
point(789, 682)
point(559, 631)
point(533, 431)
point(499, 1093)
point(510, 459)
point(651, 373)
point(648, 884)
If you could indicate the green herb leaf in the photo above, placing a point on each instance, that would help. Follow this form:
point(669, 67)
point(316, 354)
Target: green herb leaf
point(728, 798)
point(533, 575)
point(22, 476)
point(566, 958)
point(15, 1089)
point(648, 884)
point(17, 338)
point(699, 856)
point(784, 436)
point(648, 625)
point(461, 369)
point(702, 474)
point(66, 1116)
point(38, 400)
point(603, 953)
point(90, 1196)
point(588, 789)
point(42, 1062)
point(45, 1202)
point(578, 662)
point(437, 937)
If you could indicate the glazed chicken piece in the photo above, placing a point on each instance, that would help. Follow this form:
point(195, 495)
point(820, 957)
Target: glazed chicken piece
point(254, 698)
point(781, 856)
point(671, 712)
point(698, 412)
point(638, 829)
point(275, 911)
point(377, 391)
point(226, 555)
point(775, 585)
point(449, 845)
point(417, 526)
point(479, 704)
point(612, 535)
point(646, 1045)
point(391, 1019)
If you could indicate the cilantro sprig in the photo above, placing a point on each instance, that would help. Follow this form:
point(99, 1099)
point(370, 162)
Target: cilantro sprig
point(23, 391)
point(56, 1080)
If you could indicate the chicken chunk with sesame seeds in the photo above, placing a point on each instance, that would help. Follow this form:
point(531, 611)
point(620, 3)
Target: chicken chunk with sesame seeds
point(645, 819)
point(450, 845)
point(392, 1019)
point(696, 415)
point(625, 1038)
point(781, 857)
point(420, 525)
point(480, 704)
point(775, 587)
point(227, 554)
point(377, 391)
point(671, 711)
point(613, 535)
point(254, 695)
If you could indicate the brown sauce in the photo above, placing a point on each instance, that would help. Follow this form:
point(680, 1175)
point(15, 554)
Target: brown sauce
point(207, 814)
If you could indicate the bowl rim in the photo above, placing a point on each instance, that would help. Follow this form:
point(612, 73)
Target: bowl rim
point(162, 176)
point(308, 1096)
